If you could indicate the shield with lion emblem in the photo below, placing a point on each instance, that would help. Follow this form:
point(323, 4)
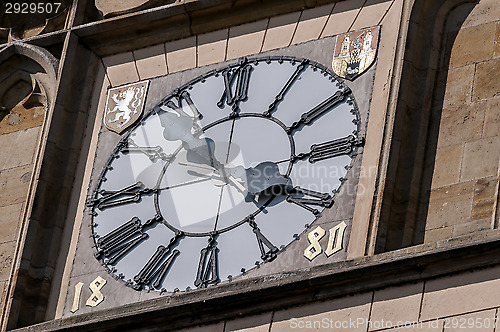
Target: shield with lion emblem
point(355, 52)
point(124, 106)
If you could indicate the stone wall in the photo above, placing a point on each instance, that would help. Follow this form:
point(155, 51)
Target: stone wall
point(468, 301)
point(465, 123)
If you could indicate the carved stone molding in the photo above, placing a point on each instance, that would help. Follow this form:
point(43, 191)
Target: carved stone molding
point(27, 86)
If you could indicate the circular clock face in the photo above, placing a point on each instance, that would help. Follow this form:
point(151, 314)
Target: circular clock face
point(224, 173)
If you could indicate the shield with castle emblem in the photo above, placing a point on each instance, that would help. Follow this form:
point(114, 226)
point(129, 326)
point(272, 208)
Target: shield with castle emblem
point(124, 106)
point(355, 52)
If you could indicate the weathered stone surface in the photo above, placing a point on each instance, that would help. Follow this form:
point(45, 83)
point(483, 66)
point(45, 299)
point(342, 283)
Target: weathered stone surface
point(492, 118)
point(482, 321)
point(371, 14)
point(461, 124)
point(9, 220)
point(151, 61)
point(311, 23)
point(471, 226)
point(6, 257)
point(487, 82)
point(14, 184)
point(246, 39)
point(458, 86)
point(450, 205)
point(338, 310)
point(401, 303)
point(21, 118)
point(447, 166)
point(212, 47)
point(496, 51)
point(280, 31)
point(342, 17)
point(121, 68)
point(480, 158)
point(471, 45)
point(259, 323)
point(181, 54)
point(461, 293)
point(484, 198)
point(485, 11)
point(18, 148)
point(438, 234)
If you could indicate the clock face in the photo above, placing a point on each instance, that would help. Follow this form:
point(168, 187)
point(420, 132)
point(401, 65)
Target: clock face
point(224, 173)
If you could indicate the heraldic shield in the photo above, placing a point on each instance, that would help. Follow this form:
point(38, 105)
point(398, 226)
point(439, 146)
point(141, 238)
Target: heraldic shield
point(124, 106)
point(355, 52)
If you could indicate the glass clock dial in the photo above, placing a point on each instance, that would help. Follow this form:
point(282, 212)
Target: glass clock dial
point(222, 173)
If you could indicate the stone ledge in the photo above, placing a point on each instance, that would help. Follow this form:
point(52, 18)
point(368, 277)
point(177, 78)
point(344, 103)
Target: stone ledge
point(257, 295)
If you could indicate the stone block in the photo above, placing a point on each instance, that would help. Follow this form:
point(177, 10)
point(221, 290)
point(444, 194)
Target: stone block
point(258, 323)
point(338, 310)
point(458, 84)
point(485, 195)
point(246, 39)
point(212, 47)
point(151, 61)
point(18, 148)
point(400, 303)
point(487, 81)
point(14, 184)
point(181, 54)
point(447, 166)
point(482, 321)
point(342, 17)
point(484, 11)
point(438, 234)
point(311, 24)
point(492, 118)
point(6, 258)
point(470, 45)
point(121, 68)
point(461, 293)
point(10, 217)
point(371, 14)
point(471, 226)
point(461, 124)
point(450, 205)
point(480, 159)
point(280, 31)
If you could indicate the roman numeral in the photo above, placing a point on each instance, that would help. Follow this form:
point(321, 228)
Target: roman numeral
point(296, 196)
point(208, 267)
point(319, 110)
point(240, 75)
point(158, 265)
point(331, 149)
point(126, 195)
point(184, 96)
point(262, 241)
point(118, 242)
point(152, 152)
point(300, 68)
